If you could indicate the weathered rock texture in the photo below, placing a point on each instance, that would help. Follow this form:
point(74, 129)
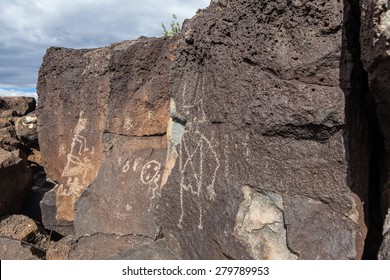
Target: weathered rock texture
point(121, 90)
point(375, 39)
point(16, 106)
point(18, 125)
point(257, 85)
point(244, 137)
point(103, 246)
point(26, 230)
point(11, 249)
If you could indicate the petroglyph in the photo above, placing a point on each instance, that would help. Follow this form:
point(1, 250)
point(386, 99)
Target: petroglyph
point(78, 162)
point(61, 150)
point(126, 167)
point(193, 162)
point(150, 176)
point(246, 146)
point(226, 157)
point(128, 124)
point(197, 185)
point(75, 171)
point(136, 162)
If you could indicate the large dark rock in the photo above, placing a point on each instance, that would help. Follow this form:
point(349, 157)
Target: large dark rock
point(121, 90)
point(71, 120)
point(256, 85)
point(244, 137)
point(15, 183)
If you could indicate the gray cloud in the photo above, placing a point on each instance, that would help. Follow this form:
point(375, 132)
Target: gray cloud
point(17, 93)
point(29, 27)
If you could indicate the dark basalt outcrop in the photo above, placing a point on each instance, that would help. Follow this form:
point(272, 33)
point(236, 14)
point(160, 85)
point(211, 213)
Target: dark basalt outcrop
point(264, 100)
point(259, 132)
point(121, 91)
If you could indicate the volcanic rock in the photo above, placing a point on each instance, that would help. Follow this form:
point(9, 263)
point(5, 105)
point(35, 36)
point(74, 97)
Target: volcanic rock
point(11, 249)
point(102, 246)
point(121, 90)
point(18, 227)
point(256, 89)
point(250, 135)
point(16, 106)
point(26, 129)
point(61, 250)
point(121, 199)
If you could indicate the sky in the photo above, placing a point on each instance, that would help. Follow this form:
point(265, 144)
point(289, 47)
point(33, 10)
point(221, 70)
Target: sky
point(29, 27)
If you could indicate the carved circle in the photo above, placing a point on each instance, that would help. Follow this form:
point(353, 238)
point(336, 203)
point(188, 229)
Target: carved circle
point(149, 171)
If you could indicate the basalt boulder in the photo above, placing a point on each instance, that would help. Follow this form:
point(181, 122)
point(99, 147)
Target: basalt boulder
point(121, 91)
point(243, 137)
point(265, 121)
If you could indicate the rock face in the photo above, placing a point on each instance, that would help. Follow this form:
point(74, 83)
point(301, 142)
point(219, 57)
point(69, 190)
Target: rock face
point(375, 39)
point(102, 246)
point(121, 199)
point(264, 114)
point(121, 90)
point(250, 135)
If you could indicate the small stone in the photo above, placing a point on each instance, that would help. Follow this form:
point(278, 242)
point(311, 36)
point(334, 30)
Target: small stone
point(18, 227)
point(26, 129)
point(11, 249)
point(61, 249)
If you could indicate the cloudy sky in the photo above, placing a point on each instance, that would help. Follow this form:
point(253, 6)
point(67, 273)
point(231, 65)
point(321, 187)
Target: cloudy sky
point(29, 27)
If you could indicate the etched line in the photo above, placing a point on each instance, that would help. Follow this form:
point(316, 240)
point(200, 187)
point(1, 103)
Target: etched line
point(126, 167)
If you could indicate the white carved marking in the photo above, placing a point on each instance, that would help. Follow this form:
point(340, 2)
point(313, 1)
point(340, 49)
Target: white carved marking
point(61, 150)
point(150, 176)
point(205, 149)
point(78, 163)
point(76, 170)
point(126, 167)
point(128, 207)
point(128, 124)
point(226, 157)
point(136, 162)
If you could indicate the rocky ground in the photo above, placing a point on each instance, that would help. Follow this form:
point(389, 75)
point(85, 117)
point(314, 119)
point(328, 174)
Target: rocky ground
point(259, 132)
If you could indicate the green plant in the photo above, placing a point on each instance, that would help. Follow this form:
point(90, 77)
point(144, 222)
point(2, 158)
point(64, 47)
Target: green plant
point(175, 28)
